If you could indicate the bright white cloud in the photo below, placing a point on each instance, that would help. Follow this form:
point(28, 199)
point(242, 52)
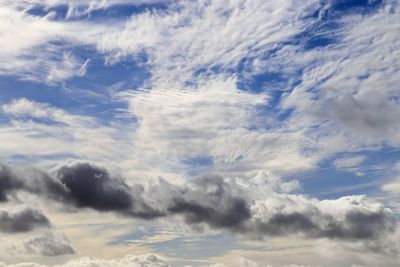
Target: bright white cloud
point(59, 133)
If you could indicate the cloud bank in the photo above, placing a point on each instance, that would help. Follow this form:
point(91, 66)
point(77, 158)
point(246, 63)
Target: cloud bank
point(212, 200)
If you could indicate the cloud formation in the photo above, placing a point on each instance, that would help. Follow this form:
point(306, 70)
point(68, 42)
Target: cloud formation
point(216, 202)
point(18, 220)
point(348, 218)
point(49, 245)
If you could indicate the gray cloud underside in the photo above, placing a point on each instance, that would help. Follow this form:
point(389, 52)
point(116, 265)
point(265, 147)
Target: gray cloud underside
point(210, 200)
point(22, 220)
point(354, 225)
point(49, 245)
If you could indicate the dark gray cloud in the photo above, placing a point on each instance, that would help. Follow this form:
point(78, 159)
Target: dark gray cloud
point(89, 186)
point(353, 218)
point(80, 185)
point(92, 187)
point(49, 245)
point(231, 216)
point(8, 182)
point(361, 225)
point(284, 224)
point(32, 180)
point(22, 220)
point(209, 200)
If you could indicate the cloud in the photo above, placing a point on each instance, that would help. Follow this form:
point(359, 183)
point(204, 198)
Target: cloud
point(42, 132)
point(218, 203)
point(149, 260)
point(347, 163)
point(23, 36)
point(8, 182)
point(210, 34)
point(49, 245)
point(347, 218)
point(218, 206)
point(393, 186)
point(38, 182)
point(247, 263)
point(348, 87)
point(93, 187)
point(19, 220)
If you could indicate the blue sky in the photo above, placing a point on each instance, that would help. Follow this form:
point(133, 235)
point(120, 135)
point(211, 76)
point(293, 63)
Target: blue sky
point(199, 133)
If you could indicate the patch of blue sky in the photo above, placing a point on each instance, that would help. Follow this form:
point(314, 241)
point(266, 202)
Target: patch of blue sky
point(339, 7)
point(206, 246)
point(180, 246)
point(103, 80)
point(13, 87)
point(197, 165)
point(126, 238)
point(365, 178)
point(90, 94)
point(201, 161)
point(59, 12)
point(111, 12)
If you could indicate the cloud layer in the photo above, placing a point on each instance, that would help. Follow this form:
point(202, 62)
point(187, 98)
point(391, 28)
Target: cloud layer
point(212, 200)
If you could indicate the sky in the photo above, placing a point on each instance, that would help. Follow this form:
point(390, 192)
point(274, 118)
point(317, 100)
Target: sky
point(201, 133)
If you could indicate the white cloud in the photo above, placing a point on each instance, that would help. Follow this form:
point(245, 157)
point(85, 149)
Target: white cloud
point(247, 263)
point(27, 51)
point(60, 133)
point(23, 107)
point(149, 260)
point(392, 187)
point(350, 164)
point(205, 34)
point(213, 120)
point(349, 88)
